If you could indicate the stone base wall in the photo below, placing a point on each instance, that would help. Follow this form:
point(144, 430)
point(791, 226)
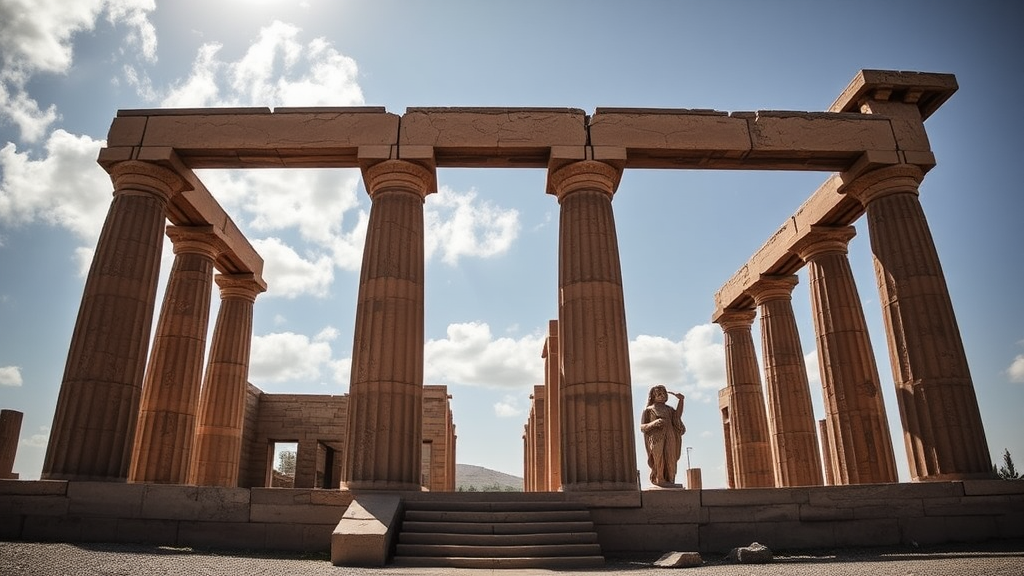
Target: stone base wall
point(628, 523)
point(715, 521)
point(171, 515)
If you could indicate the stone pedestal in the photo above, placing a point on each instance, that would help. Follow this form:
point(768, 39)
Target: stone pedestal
point(598, 449)
point(98, 404)
point(386, 392)
point(748, 422)
point(790, 413)
point(693, 479)
point(218, 444)
point(10, 433)
point(942, 427)
point(858, 430)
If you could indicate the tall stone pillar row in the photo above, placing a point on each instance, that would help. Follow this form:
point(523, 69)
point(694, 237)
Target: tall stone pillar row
point(858, 430)
point(598, 449)
point(552, 381)
point(98, 404)
point(386, 391)
point(218, 441)
point(748, 421)
point(942, 427)
point(791, 423)
point(10, 433)
point(170, 394)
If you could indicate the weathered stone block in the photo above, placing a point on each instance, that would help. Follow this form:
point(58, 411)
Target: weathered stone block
point(875, 532)
point(195, 503)
point(978, 487)
point(27, 505)
point(679, 560)
point(364, 535)
point(663, 131)
point(493, 128)
point(725, 536)
point(820, 132)
point(811, 513)
point(147, 531)
point(108, 499)
point(33, 487)
point(795, 535)
point(239, 535)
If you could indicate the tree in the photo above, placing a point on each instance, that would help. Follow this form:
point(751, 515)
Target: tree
point(1007, 471)
point(286, 462)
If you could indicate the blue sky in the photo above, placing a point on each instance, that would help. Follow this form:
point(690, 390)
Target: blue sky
point(69, 65)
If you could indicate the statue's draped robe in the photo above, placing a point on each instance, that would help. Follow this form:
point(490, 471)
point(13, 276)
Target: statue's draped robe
point(664, 443)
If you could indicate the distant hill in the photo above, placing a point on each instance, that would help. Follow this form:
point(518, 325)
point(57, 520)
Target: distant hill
point(469, 478)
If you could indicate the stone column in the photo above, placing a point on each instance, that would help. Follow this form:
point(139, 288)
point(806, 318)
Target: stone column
point(386, 393)
point(942, 427)
point(10, 434)
point(552, 380)
point(598, 449)
point(828, 463)
point(538, 424)
point(98, 404)
point(791, 422)
point(170, 395)
point(854, 408)
point(218, 445)
point(748, 422)
point(724, 400)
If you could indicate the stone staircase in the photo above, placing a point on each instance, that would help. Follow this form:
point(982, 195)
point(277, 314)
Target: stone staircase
point(480, 534)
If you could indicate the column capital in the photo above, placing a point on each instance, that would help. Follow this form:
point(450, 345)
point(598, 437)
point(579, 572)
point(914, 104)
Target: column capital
point(196, 240)
point(244, 286)
point(769, 288)
point(896, 179)
point(583, 175)
point(135, 176)
point(400, 175)
point(823, 240)
point(733, 318)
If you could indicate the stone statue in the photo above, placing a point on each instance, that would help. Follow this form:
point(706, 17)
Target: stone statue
point(663, 431)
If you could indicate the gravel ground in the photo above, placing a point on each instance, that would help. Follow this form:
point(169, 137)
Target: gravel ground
point(1002, 558)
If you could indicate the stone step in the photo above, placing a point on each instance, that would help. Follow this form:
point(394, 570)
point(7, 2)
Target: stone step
point(471, 506)
point(551, 563)
point(497, 516)
point(497, 528)
point(530, 551)
point(498, 539)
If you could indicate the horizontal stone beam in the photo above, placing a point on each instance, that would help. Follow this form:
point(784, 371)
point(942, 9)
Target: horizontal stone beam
point(196, 207)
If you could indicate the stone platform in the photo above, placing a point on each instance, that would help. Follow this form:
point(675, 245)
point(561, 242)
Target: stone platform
point(627, 523)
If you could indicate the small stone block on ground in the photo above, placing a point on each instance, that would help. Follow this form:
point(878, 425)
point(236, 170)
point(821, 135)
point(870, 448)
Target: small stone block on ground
point(364, 534)
point(679, 560)
point(756, 553)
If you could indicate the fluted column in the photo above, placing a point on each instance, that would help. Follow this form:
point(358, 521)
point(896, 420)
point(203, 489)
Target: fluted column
point(748, 422)
point(386, 392)
point(10, 433)
point(724, 403)
point(97, 407)
point(552, 380)
point(218, 444)
point(170, 394)
point(858, 429)
point(828, 463)
point(598, 450)
point(942, 427)
point(791, 422)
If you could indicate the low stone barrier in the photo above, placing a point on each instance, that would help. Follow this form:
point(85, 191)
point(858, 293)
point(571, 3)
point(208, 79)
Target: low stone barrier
point(648, 522)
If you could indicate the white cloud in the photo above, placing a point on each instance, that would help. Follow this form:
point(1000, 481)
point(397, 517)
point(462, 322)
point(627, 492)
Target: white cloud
point(458, 225)
point(66, 188)
point(36, 36)
point(313, 202)
point(470, 355)
point(289, 275)
point(10, 376)
point(695, 365)
point(507, 407)
point(276, 70)
point(37, 440)
point(288, 357)
point(1016, 369)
